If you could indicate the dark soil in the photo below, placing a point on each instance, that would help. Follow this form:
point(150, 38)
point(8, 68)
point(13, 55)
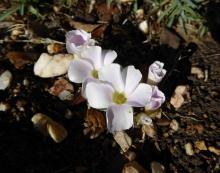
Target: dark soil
point(24, 149)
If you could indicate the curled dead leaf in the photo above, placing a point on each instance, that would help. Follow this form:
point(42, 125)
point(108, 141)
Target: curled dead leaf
point(154, 113)
point(180, 93)
point(200, 145)
point(95, 123)
point(214, 150)
point(149, 131)
point(20, 59)
point(55, 48)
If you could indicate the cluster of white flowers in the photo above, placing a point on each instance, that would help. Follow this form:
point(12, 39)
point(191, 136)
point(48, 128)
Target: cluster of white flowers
point(107, 86)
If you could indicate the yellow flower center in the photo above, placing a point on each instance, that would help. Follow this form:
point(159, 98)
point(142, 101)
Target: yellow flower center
point(119, 98)
point(94, 74)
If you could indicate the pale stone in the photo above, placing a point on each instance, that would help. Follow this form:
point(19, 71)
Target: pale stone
point(51, 66)
point(156, 167)
point(47, 126)
point(143, 26)
point(174, 125)
point(4, 106)
point(189, 149)
point(5, 80)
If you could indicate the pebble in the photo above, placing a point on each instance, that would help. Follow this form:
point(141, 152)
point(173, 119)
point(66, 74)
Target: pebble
point(5, 80)
point(51, 66)
point(189, 149)
point(4, 106)
point(174, 125)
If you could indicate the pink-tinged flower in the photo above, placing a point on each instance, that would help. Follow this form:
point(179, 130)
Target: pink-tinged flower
point(90, 61)
point(156, 100)
point(76, 40)
point(117, 91)
point(156, 73)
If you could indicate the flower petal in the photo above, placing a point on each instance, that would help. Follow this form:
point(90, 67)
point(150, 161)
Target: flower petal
point(131, 77)
point(84, 84)
point(119, 117)
point(79, 70)
point(99, 94)
point(156, 73)
point(94, 54)
point(76, 39)
point(112, 74)
point(140, 96)
point(156, 100)
point(109, 57)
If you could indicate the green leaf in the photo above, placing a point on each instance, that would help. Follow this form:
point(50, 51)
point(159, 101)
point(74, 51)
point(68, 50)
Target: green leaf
point(9, 11)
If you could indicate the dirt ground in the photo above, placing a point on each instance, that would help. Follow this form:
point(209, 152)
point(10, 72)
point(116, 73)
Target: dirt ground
point(197, 121)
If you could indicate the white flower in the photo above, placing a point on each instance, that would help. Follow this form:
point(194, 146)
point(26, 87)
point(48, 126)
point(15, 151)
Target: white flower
point(157, 99)
point(90, 61)
point(156, 73)
point(117, 91)
point(76, 40)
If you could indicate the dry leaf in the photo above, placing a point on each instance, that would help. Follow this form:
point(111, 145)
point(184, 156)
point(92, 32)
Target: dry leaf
point(170, 38)
point(59, 86)
point(20, 59)
point(123, 140)
point(200, 145)
point(133, 167)
point(51, 66)
point(142, 119)
point(47, 126)
point(77, 98)
point(56, 131)
point(177, 99)
point(95, 123)
point(108, 13)
point(198, 72)
point(55, 48)
point(149, 131)
point(154, 113)
point(84, 26)
point(214, 150)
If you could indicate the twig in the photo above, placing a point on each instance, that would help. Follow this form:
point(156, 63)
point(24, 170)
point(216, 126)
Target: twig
point(34, 41)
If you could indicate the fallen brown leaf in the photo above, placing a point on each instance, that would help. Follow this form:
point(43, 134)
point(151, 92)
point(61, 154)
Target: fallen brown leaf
point(20, 59)
point(95, 123)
